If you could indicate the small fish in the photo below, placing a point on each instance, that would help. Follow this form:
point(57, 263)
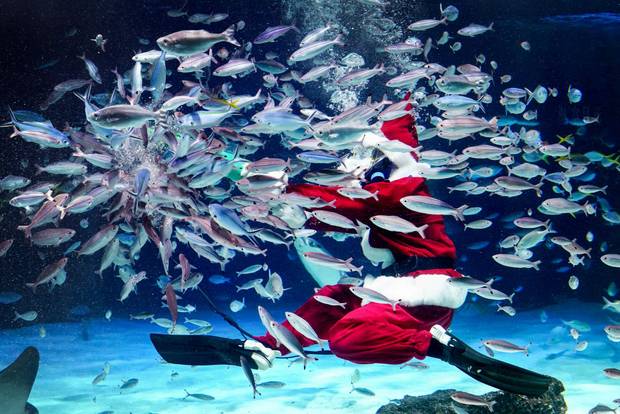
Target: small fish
point(364, 391)
point(371, 296)
point(272, 33)
point(130, 383)
point(271, 384)
point(100, 42)
point(190, 42)
point(470, 399)
point(202, 397)
point(474, 30)
point(26, 316)
point(247, 370)
point(415, 365)
point(91, 68)
point(573, 282)
point(499, 345)
point(326, 300)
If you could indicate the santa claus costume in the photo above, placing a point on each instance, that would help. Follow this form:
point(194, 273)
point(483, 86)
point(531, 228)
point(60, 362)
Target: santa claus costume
point(374, 333)
point(416, 273)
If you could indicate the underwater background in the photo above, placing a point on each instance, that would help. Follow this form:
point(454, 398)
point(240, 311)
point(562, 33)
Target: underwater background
point(572, 44)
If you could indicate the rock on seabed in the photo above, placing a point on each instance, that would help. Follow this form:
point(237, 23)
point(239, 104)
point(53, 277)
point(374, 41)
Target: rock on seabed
point(439, 402)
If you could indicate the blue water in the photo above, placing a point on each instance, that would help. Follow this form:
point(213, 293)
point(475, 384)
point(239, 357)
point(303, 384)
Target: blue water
point(71, 363)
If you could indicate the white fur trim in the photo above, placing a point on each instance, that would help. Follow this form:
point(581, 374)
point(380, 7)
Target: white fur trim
point(425, 289)
point(264, 359)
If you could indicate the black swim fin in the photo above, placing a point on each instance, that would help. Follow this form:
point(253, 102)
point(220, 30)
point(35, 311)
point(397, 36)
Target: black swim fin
point(498, 374)
point(202, 350)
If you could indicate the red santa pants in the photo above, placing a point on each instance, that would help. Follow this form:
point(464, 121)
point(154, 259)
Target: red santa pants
point(372, 333)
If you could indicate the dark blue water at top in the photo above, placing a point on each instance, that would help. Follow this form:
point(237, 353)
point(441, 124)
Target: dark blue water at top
point(572, 44)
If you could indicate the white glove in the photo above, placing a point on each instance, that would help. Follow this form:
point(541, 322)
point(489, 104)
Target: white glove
point(264, 357)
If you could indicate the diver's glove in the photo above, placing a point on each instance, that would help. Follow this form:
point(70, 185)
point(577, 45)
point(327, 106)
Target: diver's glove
point(264, 356)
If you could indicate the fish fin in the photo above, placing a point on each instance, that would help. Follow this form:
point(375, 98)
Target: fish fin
point(229, 35)
point(489, 351)
point(421, 230)
point(339, 40)
point(15, 132)
point(459, 212)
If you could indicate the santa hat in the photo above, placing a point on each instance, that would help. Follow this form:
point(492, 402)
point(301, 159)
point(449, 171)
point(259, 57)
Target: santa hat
point(402, 129)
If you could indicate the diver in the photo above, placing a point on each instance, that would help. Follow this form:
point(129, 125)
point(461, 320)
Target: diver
point(418, 272)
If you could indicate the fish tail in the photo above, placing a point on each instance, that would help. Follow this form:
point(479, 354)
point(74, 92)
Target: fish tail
point(26, 229)
point(15, 132)
point(530, 96)
point(339, 40)
point(538, 188)
point(607, 303)
point(12, 115)
point(459, 212)
point(32, 286)
point(421, 229)
point(229, 34)
point(536, 265)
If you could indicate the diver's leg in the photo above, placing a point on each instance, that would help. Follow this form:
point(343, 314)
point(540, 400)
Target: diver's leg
point(498, 374)
point(319, 315)
point(375, 333)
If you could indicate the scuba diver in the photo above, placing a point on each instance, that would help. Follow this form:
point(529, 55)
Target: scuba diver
point(418, 269)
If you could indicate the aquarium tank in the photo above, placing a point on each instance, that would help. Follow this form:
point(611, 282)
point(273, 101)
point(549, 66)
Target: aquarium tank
point(309, 206)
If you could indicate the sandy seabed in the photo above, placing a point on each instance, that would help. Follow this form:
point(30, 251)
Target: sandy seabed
point(69, 364)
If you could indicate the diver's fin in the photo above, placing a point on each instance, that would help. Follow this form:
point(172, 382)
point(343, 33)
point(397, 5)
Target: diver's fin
point(16, 383)
point(498, 374)
point(201, 350)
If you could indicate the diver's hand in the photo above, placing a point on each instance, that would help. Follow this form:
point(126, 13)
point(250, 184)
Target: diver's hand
point(264, 357)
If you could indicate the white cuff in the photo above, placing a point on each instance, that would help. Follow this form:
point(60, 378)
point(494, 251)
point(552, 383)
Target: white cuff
point(263, 362)
point(425, 289)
